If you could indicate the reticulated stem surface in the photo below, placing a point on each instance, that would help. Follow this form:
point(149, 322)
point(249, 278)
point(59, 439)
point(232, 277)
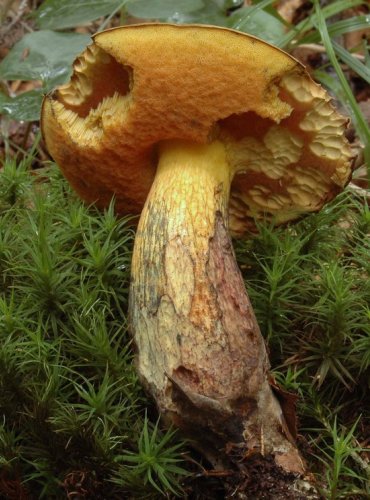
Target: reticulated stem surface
point(199, 349)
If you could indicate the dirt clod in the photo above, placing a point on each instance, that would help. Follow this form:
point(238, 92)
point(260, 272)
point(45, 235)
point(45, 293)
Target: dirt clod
point(259, 478)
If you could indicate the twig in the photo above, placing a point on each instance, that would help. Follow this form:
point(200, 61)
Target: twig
point(319, 48)
point(359, 190)
point(361, 462)
point(19, 14)
point(5, 9)
point(26, 135)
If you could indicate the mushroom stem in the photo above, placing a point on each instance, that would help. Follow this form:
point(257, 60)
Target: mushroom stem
point(200, 352)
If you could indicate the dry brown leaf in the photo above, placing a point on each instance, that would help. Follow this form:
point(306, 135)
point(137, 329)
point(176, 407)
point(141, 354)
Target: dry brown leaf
point(288, 8)
point(354, 39)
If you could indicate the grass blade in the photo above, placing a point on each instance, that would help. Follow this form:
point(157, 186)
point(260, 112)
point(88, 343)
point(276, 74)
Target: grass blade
point(310, 22)
point(357, 66)
point(339, 28)
point(360, 122)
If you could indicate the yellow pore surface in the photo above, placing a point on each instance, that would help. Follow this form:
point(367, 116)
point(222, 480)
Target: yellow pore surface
point(182, 80)
point(138, 86)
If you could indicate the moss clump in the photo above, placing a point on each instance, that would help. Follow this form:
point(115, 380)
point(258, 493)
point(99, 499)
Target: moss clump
point(72, 411)
point(73, 415)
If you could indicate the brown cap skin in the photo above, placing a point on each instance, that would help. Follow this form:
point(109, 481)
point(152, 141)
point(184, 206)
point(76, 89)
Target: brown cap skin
point(136, 86)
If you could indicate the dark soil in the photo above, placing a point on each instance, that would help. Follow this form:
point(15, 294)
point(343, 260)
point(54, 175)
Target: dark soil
point(254, 478)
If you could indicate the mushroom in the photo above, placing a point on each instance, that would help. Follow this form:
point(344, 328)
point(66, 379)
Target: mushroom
point(202, 130)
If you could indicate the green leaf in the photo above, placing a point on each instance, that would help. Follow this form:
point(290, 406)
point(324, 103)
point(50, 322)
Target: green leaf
point(183, 12)
point(271, 9)
point(258, 23)
point(43, 55)
point(231, 4)
point(24, 107)
point(60, 14)
point(213, 12)
point(245, 14)
point(162, 9)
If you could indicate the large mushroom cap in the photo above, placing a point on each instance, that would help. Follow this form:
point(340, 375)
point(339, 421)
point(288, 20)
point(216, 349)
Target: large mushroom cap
point(137, 86)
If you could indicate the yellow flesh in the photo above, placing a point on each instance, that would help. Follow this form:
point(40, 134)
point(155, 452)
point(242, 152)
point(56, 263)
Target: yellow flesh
point(170, 263)
point(192, 183)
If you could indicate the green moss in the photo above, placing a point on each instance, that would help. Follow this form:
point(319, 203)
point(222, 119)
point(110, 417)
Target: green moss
point(72, 410)
point(70, 400)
